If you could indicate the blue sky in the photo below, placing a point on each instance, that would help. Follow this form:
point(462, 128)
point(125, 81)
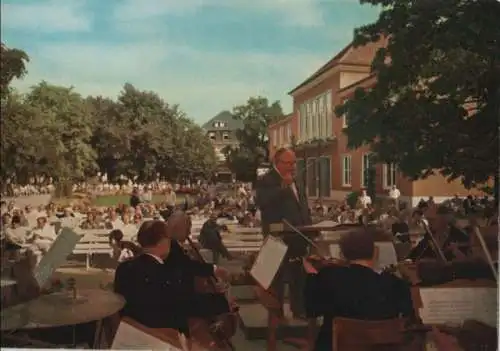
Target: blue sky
point(206, 55)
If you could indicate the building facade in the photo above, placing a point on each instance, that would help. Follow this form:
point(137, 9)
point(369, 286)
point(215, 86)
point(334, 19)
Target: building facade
point(282, 134)
point(325, 166)
point(221, 130)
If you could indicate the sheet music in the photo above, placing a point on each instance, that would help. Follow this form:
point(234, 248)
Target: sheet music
point(335, 251)
point(128, 337)
point(325, 224)
point(455, 305)
point(268, 261)
point(62, 247)
point(386, 254)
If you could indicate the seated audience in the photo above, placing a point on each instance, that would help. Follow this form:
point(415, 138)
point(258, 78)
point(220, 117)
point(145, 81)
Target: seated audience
point(122, 249)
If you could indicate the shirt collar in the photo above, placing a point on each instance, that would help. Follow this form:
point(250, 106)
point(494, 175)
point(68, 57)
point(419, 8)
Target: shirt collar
point(158, 259)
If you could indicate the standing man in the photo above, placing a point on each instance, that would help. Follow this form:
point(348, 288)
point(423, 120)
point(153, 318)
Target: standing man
point(170, 198)
point(394, 195)
point(279, 198)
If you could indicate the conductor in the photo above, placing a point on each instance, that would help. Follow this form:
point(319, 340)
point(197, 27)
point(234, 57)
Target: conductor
point(280, 198)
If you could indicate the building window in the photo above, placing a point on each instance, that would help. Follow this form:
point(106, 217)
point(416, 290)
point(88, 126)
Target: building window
point(289, 133)
point(389, 177)
point(218, 124)
point(346, 170)
point(282, 136)
point(312, 176)
point(225, 136)
point(211, 135)
point(329, 110)
point(275, 137)
point(325, 178)
point(365, 170)
point(345, 119)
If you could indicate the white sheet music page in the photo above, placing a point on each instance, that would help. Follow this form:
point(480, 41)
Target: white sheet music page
point(455, 305)
point(128, 337)
point(62, 247)
point(268, 261)
point(335, 251)
point(386, 255)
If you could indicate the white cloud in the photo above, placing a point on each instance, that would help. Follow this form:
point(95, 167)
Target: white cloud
point(303, 13)
point(50, 16)
point(203, 83)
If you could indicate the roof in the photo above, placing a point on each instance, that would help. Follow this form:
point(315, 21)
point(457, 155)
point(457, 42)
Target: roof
point(224, 116)
point(287, 118)
point(350, 55)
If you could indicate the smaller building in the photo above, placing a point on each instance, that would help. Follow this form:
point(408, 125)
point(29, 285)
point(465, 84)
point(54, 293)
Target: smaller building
point(221, 130)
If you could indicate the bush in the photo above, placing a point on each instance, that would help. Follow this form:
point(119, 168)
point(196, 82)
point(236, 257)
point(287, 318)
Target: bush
point(352, 198)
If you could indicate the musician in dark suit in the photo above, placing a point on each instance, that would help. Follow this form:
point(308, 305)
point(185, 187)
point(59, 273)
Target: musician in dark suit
point(211, 239)
point(354, 290)
point(279, 198)
point(158, 289)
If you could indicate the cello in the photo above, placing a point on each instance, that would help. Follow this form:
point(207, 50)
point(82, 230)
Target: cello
point(217, 330)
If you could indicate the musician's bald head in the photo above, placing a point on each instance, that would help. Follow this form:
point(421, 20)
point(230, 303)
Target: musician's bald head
point(285, 161)
point(179, 226)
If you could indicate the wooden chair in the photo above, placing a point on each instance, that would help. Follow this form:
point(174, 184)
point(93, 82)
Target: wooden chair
point(362, 335)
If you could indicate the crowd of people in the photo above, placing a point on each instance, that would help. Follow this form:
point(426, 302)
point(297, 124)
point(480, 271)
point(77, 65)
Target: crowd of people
point(145, 236)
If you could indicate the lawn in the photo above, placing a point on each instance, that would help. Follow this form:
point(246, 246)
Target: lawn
point(114, 200)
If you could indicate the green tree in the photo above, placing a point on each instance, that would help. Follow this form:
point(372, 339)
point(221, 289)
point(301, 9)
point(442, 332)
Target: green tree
point(12, 65)
point(65, 151)
point(141, 135)
point(21, 143)
point(436, 101)
point(257, 114)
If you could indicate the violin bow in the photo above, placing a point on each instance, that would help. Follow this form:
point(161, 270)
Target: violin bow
point(305, 237)
point(486, 251)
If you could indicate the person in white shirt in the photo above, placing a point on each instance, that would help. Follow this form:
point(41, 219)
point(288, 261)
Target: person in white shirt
point(114, 221)
point(170, 197)
point(394, 195)
point(147, 195)
point(364, 200)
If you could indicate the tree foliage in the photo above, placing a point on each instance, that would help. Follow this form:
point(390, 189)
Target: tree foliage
point(12, 65)
point(437, 96)
point(54, 131)
point(257, 114)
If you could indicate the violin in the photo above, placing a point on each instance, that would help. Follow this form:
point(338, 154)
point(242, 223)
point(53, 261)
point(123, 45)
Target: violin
point(221, 327)
point(319, 262)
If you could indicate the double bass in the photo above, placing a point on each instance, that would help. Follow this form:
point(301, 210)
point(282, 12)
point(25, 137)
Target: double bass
point(215, 331)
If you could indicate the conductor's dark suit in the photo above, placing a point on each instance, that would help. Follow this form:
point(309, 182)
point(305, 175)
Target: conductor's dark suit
point(276, 203)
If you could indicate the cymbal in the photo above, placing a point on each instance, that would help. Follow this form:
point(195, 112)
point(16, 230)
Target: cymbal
point(61, 308)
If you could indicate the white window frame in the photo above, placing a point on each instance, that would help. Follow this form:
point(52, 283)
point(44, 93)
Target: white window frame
point(275, 137)
point(344, 117)
point(364, 169)
point(387, 184)
point(282, 136)
point(289, 133)
point(346, 171)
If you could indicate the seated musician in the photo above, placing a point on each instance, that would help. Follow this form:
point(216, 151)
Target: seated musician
point(158, 294)
point(211, 239)
point(401, 230)
point(354, 290)
point(179, 228)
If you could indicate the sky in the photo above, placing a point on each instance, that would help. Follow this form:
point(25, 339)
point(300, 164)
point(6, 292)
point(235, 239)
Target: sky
point(205, 55)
